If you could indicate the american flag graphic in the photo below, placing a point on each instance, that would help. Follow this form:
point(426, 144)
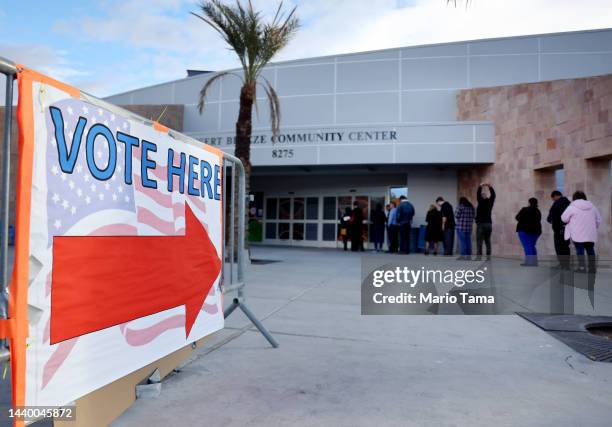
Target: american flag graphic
point(78, 204)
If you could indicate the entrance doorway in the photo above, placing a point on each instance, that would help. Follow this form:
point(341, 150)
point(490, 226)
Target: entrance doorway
point(313, 220)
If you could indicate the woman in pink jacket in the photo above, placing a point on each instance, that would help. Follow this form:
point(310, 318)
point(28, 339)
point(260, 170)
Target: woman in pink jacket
point(583, 220)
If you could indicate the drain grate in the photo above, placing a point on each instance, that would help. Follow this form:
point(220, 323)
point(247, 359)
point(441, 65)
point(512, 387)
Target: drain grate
point(572, 331)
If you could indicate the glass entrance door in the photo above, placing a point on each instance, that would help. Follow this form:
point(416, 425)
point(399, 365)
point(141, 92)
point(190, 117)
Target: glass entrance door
point(292, 220)
point(313, 220)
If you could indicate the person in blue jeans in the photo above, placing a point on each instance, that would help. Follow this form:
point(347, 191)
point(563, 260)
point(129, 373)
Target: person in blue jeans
point(529, 229)
point(404, 215)
point(464, 220)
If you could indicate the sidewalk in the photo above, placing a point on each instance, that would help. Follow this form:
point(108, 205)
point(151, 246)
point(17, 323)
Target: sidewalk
point(335, 367)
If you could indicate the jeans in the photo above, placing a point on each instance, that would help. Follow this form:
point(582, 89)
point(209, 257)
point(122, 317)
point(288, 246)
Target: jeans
point(393, 231)
point(589, 248)
point(405, 238)
point(465, 242)
point(562, 248)
point(528, 241)
point(483, 234)
point(448, 241)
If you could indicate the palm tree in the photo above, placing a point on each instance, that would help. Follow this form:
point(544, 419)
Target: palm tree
point(255, 42)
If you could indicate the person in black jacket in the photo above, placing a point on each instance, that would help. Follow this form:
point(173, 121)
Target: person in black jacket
point(403, 216)
point(448, 225)
point(484, 223)
point(357, 228)
point(377, 228)
point(433, 231)
point(562, 246)
point(529, 229)
point(345, 225)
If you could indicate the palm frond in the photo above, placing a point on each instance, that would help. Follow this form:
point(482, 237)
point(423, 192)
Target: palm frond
point(209, 83)
point(274, 106)
point(254, 40)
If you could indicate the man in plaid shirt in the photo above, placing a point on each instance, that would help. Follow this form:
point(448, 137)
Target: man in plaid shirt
point(464, 219)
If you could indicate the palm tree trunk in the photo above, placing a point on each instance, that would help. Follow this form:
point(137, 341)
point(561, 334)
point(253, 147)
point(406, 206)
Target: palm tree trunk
point(242, 149)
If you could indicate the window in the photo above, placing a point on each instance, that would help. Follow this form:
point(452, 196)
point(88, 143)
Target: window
point(312, 208)
point(271, 208)
point(271, 230)
point(283, 230)
point(329, 208)
point(298, 231)
point(397, 192)
point(312, 231)
point(329, 232)
point(298, 208)
point(560, 180)
point(284, 208)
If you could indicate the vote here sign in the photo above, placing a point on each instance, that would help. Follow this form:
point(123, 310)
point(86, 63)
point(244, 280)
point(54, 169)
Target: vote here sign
point(119, 237)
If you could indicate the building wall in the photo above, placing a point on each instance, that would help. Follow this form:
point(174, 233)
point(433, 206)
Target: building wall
point(539, 128)
point(411, 89)
point(416, 84)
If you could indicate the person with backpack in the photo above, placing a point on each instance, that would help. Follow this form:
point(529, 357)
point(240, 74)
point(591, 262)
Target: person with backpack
point(345, 225)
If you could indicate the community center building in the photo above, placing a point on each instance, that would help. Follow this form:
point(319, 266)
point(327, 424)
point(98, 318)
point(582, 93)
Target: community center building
point(528, 114)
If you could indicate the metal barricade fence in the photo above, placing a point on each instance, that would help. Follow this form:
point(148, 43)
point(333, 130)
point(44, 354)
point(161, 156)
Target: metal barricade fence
point(234, 240)
point(9, 70)
point(233, 251)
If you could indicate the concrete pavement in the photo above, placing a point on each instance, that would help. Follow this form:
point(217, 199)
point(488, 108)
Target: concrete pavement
point(336, 367)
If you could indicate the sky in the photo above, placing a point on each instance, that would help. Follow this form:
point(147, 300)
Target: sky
point(111, 46)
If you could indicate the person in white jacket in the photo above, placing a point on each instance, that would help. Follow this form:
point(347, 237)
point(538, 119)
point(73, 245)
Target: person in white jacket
point(583, 220)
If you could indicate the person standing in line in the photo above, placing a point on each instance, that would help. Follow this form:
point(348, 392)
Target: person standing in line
point(464, 216)
point(392, 228)
point(433, 231)
point(562, 246)
point(582, 219)
point(357, 228)
point(387, 212)
point(345, 225)
point(378, 227)
point(448, 225)
point(485, 195)
point(529, 229)
point(404, 215)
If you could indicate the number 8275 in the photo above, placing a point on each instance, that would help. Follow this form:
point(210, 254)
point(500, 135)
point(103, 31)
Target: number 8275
point(282, 153)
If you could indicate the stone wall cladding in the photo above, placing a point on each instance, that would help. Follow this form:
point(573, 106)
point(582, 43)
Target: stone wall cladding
point(540, 127)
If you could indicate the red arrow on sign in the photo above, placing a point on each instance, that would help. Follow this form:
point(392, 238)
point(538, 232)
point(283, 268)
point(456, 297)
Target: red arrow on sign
point(103, 281)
